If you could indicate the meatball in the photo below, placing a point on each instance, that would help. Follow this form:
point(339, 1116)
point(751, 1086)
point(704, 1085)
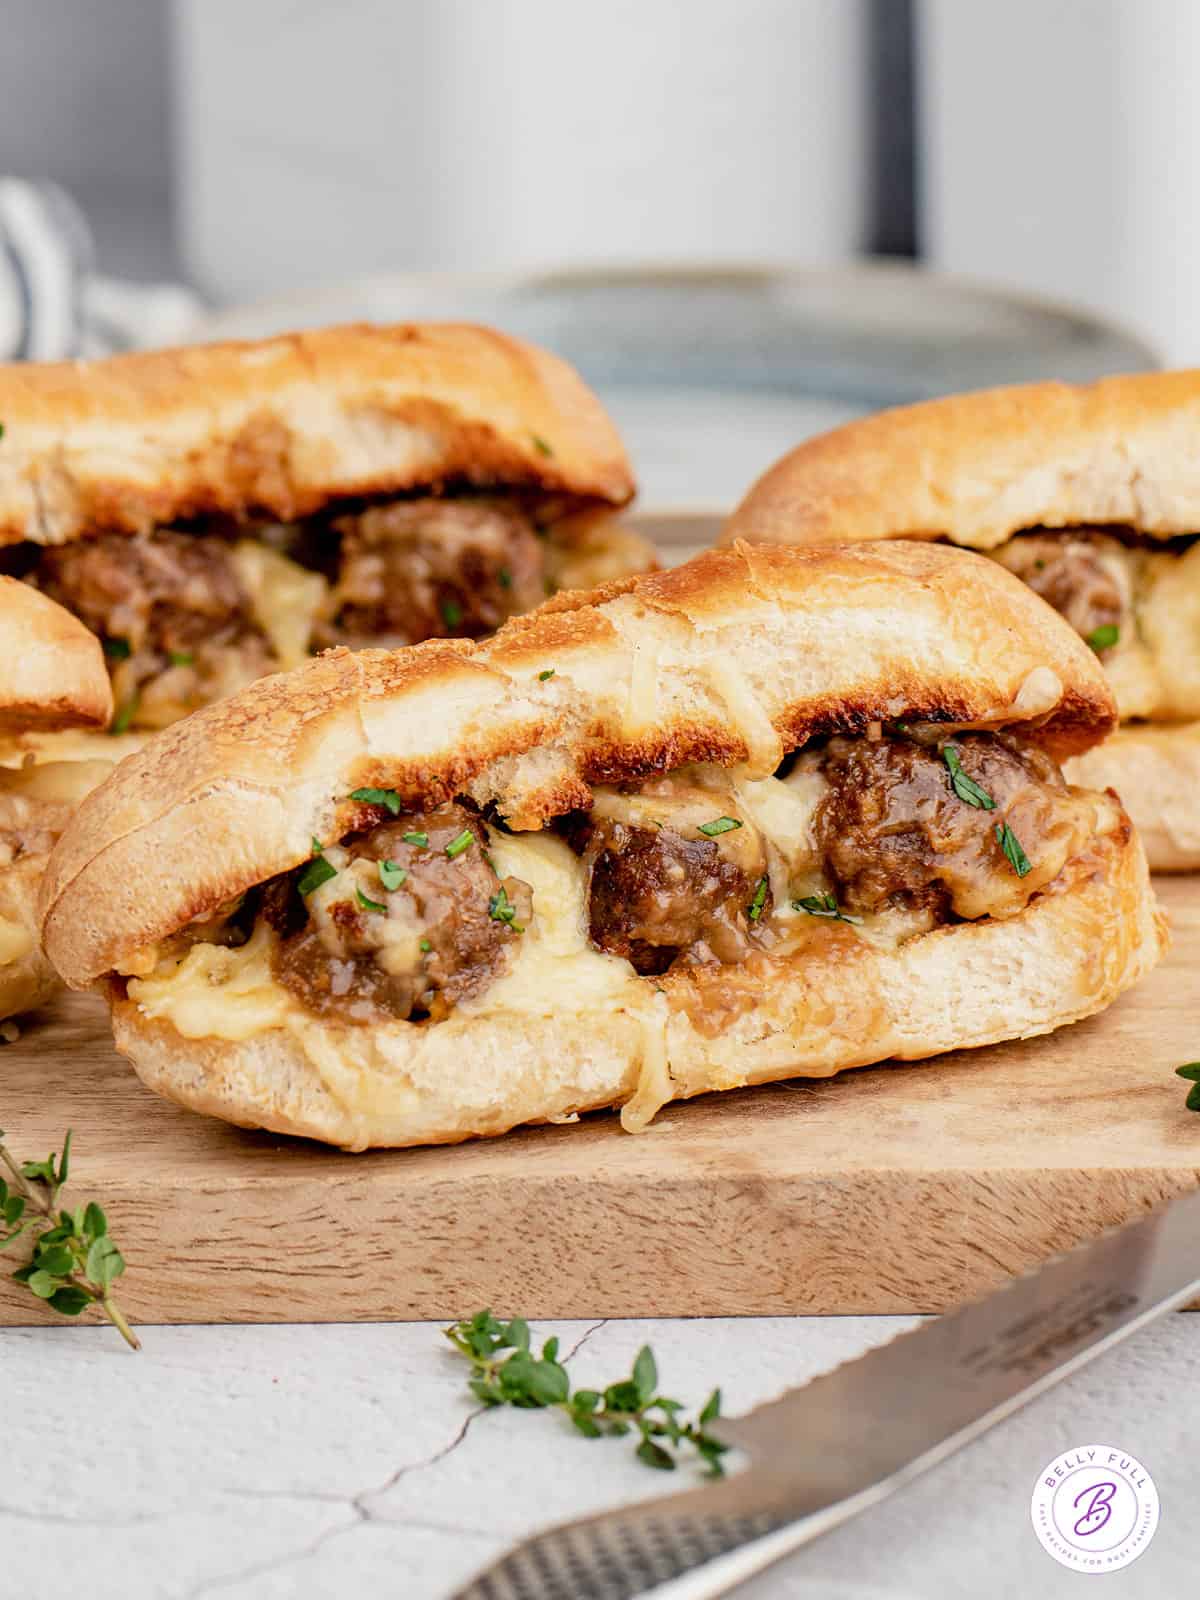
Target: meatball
point(163, 592)
point(413, 920)
point(893, 830)
point(422, 569)
point(656, 896)
point(1069, 571)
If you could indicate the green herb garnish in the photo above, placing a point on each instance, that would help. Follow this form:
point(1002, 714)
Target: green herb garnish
point(452, 613)
point(317, 872)
point(426, 947)
point(125, 715)
point(180, 658)
point(754, 910)
point(504, 578)
point(542, 676)
point(823, 905)
point(391, 876)
point(419, 841)
point(501, 909)
point(462, 842)
point(718, 826)
point(116, 649)
point(366, 902)
point(73, 1261)
point(378, 797)
point(505, 1372)
point(965, 787)
point(1104, 637)
point(1011, 845)
point(1192, 1072)
point(540, 444)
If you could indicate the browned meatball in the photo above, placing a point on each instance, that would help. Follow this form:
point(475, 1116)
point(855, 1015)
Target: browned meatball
point(423, 569)
point(892, 831)
point(405, 927)
point(656, 897)
point(162, 592)
point(1066, 569)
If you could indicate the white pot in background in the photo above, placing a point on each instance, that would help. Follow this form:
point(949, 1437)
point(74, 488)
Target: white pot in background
point(316, 141)
point(1060, 152)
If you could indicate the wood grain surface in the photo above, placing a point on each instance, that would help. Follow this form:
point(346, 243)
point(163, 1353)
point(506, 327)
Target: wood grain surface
point(903, 1188)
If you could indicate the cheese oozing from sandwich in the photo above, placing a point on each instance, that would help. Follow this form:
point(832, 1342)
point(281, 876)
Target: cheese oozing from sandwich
point(653, 904)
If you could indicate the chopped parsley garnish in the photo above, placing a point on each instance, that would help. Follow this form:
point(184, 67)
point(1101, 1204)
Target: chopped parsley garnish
point(367, 903)
point(125, 715)
point(504, 578)
point(717, 826)
point(1011, 845)
point(378, 797)
point(501, 909)
point(823, 905)
point(462, 842)
point(317, 872)
point(180, 658)
point(540, 444)
point(452, 613)
point(419, 841)
point(426, 947)
point(1104, 637)
point(542, 676)
point(754, 910)
point(965, 787)
point(1192, 1072)
point(1, 430)
point(391, 876)
point(116, 649)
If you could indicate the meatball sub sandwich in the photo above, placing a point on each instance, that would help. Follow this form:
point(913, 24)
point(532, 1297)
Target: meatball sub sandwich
point(1089, 494)
point(221, 512)
point(52, 677)
point(772, 813)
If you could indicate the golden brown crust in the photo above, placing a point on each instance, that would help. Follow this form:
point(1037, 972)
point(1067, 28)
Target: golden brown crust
point(52, 672)
point(1155, 768)
point(977, 468)
point(1066, 956)
point(280, 427)
point(738, 656)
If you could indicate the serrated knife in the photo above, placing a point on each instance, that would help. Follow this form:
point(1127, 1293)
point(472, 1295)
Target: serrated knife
point(824, 1452)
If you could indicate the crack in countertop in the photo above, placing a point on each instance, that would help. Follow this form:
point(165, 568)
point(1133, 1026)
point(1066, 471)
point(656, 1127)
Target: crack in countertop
point(359, 1504)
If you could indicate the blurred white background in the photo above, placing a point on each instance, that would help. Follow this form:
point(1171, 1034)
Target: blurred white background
point(295, 161)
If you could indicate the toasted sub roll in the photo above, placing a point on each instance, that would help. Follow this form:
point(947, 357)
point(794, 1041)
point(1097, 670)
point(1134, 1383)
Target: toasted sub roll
point(775, 813)
point(1091, 494)
point(52, 678)
point(220, 512)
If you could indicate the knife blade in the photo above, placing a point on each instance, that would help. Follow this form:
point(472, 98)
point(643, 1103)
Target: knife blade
point(824, 1452)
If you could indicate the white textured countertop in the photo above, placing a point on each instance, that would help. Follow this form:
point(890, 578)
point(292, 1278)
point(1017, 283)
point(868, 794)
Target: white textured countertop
point(258, 1463)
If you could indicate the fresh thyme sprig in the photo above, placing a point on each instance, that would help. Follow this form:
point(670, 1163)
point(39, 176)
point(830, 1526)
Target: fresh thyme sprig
point(505, 1372)
point(1192, 1072)
point(73, 1261)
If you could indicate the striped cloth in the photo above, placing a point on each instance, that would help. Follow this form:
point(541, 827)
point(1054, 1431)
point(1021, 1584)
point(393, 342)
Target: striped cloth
point(53, 306)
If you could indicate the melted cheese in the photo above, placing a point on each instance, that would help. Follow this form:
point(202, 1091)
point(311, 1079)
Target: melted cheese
point(55, 781)
point(764, 748)
point(232, 994)
point(285, 599)
point(15, 941)
point(218, 993)
point(554, 959)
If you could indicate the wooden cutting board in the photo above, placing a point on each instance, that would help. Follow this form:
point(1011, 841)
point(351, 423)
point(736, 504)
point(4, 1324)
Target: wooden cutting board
point(888, 1189)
